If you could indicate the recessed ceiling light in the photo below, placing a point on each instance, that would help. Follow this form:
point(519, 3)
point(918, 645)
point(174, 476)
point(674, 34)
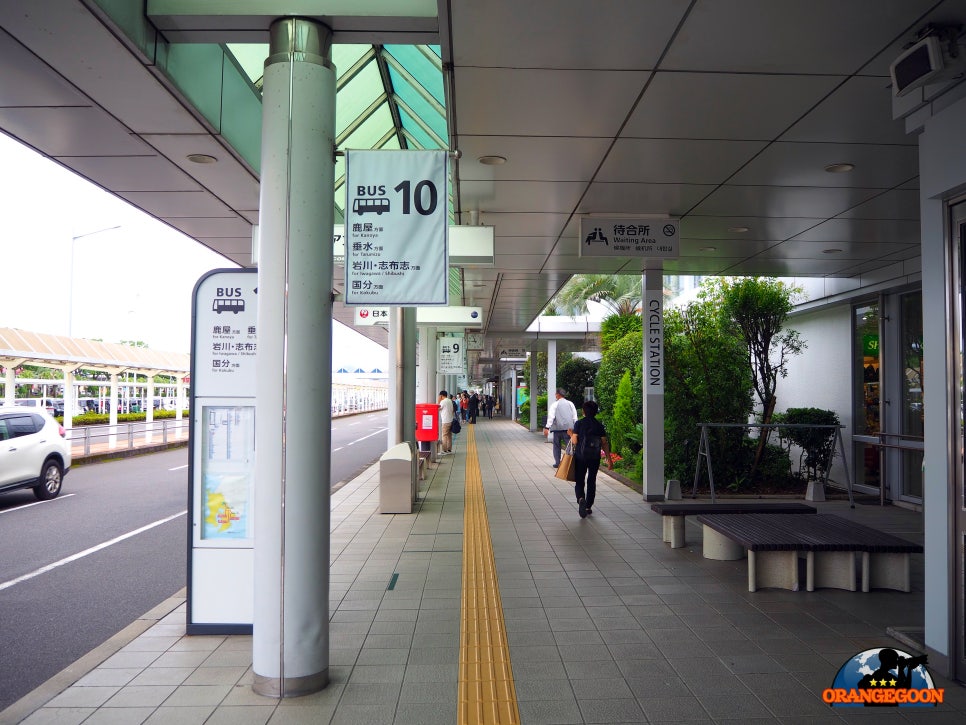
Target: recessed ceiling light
point(708, 249)
point(738, 230)
point(202, 159)
point(492, 160)
point(842, 167)
point(831, 251)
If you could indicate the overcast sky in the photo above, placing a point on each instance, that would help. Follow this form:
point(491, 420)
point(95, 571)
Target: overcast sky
point(129, 283)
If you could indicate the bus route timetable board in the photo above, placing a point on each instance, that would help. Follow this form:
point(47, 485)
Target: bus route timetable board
point(225, 337)
point(396, 228)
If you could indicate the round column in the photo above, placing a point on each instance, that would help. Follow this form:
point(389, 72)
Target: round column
point(293, 392)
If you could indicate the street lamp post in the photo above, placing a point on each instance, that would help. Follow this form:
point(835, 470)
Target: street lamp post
point(70, 279)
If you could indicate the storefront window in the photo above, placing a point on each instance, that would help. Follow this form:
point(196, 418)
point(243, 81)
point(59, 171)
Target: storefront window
point(867, 409)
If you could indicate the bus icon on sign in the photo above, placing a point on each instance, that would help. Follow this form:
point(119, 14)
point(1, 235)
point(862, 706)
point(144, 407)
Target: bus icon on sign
point(363, 206)
point(228, 304)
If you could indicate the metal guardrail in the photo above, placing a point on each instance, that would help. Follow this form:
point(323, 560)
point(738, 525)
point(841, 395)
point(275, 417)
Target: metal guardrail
point(89, 439)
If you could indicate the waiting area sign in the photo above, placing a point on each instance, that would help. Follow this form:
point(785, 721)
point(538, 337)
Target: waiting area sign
point(645, 237)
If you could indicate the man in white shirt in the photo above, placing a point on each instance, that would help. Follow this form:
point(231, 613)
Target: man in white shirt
point(560, 419)
point(446, 415)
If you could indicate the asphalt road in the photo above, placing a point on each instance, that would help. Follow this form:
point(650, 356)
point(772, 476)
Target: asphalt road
point(76, 570)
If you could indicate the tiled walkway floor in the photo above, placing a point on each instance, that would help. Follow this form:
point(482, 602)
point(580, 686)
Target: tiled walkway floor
point(605, 623)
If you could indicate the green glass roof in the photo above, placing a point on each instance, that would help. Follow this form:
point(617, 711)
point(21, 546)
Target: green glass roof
point(388, 97)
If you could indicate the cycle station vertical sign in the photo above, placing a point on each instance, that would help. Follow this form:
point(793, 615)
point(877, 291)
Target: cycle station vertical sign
point(396, 228)
point(222, 453)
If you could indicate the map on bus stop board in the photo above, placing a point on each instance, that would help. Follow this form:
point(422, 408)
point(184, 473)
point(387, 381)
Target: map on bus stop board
point(396, 228)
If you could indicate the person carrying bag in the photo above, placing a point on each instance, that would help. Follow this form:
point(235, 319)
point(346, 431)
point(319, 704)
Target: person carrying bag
point(567, 470)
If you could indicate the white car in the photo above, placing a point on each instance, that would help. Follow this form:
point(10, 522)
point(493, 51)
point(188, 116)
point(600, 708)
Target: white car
point(34, 451)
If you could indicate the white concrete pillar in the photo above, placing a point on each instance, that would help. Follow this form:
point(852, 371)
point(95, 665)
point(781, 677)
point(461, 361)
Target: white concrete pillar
point(653, 297)
point(113, 405)
point(426, 390)
point(402, 381)
point(551, 377)
point(69, 396)
point(10, 382)
point(535, 422)
point(290, 643)
point(149, 408)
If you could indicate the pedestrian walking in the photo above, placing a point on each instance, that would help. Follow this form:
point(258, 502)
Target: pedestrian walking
point(589, 438)
point(560, 420)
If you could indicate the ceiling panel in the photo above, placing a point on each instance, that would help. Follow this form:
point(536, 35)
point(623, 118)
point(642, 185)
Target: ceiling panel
point(741, 227)
point(832, 250)
point(892, 204)
point(514, 102)
point(564, 33)
point(763, 36)
point(782, 201)
point(133, 173)
point(859, 111)
point(864, 231)
point(71, 131)
point(537, 158)
point(179, 204)
point(639, 198)
point(803, 164)
point(521, 196)
point(725, 106)
point(676, 161)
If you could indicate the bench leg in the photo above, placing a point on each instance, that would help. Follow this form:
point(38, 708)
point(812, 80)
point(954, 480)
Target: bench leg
point(674, 531)
point(885, 571)
point(774, 569)
point(830, 570)
point(720, 547)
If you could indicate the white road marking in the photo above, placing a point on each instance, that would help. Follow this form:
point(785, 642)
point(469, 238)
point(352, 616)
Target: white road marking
point(36, 503)
point(178, 468)
point(87, 552)
point(359, 440)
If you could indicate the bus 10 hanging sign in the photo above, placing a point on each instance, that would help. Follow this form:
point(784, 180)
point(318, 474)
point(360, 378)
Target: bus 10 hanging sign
point(396, 226)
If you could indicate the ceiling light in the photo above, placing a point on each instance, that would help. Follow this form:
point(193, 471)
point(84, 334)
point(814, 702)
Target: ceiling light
point(842, 167)
point(738, 230)
point(492, 160)
point(831, 251)
point(708, 249)
point(202, 159)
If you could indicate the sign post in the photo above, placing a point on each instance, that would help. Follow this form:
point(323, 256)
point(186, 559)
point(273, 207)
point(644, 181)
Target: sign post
point(221, 459)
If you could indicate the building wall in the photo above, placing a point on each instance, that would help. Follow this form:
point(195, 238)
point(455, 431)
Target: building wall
point(942, 164)
point(821, 377)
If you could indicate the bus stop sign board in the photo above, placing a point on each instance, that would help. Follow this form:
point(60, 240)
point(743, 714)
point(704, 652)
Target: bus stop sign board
point(396, 227)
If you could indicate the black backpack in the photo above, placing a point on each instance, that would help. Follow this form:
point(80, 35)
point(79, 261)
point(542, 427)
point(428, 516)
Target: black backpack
point(588, 447)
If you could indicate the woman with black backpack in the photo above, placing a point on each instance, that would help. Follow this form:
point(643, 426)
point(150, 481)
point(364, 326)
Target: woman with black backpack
point(589, 439)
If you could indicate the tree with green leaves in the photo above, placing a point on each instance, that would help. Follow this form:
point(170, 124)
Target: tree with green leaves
point(759, 308)
point(707, 380)
point(614, 327)
point(620, 294)
point(623, 420)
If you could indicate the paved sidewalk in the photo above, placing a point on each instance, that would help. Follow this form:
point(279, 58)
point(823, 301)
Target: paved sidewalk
point(605, 623)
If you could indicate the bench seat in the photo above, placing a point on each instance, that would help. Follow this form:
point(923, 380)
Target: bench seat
point(673, 514)
point(829, 543)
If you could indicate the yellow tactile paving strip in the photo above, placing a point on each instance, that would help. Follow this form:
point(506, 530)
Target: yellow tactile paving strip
point(486, 692)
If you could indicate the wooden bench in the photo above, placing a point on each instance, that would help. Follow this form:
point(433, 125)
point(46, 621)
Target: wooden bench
point(829, 543)
point(673, 514)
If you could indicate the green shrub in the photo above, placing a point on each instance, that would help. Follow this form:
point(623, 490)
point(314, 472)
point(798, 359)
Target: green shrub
point(817, 444)
point(627, 354)
point(622, 421)
point(616, 327)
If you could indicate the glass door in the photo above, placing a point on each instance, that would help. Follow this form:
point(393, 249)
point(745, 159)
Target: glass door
point(911, 426)
point(957, 503)
point(867, 404)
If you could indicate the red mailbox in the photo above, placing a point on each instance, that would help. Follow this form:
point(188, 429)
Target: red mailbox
point(427, 422)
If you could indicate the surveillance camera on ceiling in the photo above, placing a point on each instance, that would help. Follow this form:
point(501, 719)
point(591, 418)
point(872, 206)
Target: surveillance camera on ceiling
point(934, 57)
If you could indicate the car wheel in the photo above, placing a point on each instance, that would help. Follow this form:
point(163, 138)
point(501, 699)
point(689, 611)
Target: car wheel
point(51, 479)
